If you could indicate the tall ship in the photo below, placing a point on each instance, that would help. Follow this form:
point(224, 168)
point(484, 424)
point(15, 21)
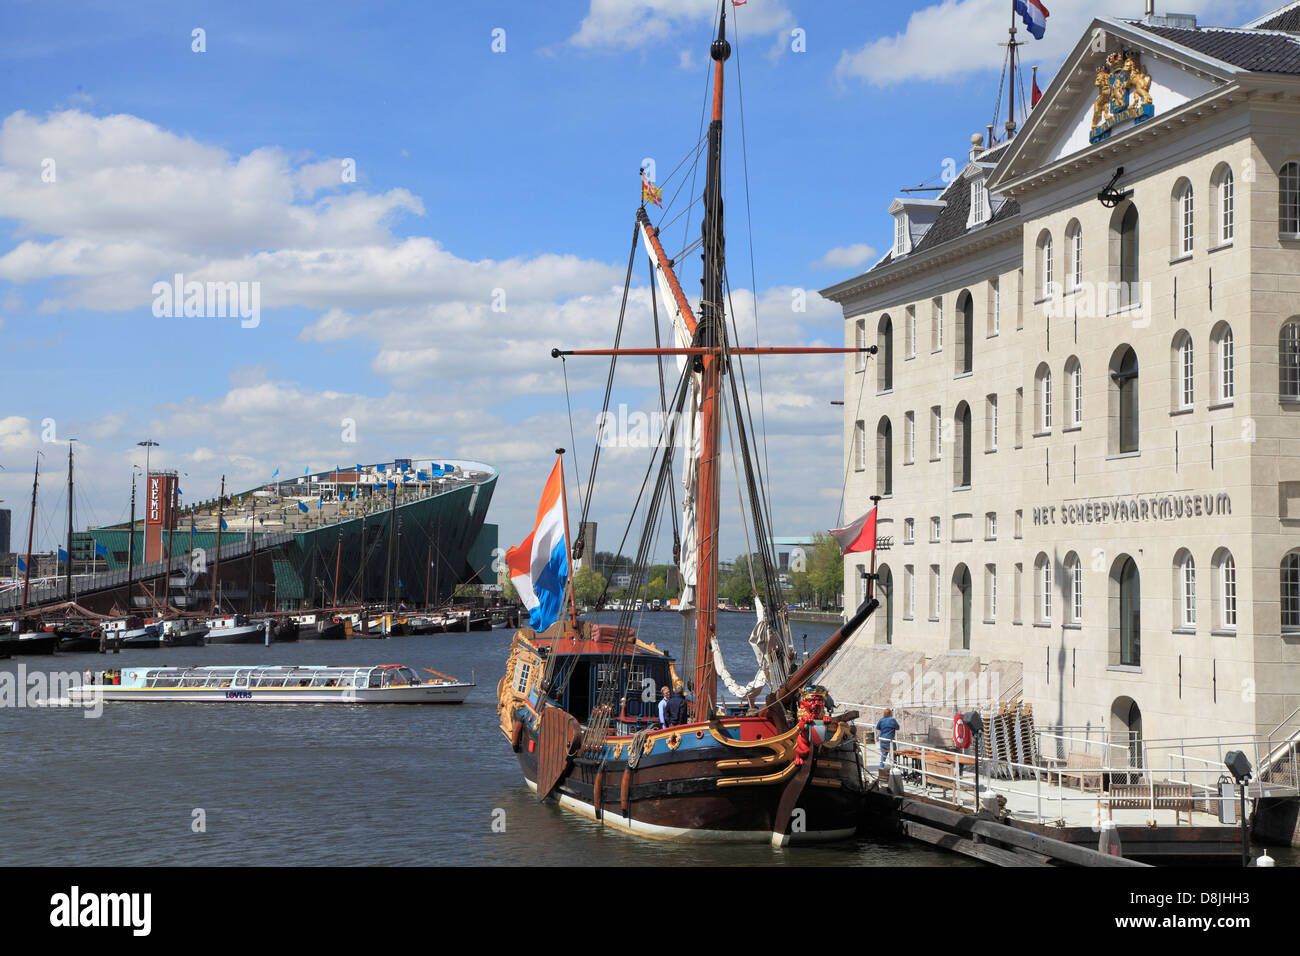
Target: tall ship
point(578, 701)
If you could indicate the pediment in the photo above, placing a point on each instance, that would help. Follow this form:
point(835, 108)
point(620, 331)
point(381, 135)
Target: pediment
point(1092, 95)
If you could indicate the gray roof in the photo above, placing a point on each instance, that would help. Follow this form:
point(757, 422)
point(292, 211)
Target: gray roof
point(1248, 49)
point(1284, 18)
point(951, 223)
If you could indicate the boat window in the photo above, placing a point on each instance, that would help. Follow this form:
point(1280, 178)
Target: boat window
point(376, 678)
point(359, 680)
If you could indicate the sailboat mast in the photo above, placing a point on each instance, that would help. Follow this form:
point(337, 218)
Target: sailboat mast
point(169, 526)
point(31, 527)
point(710, 334)
point(216, 565)
point(68, 577)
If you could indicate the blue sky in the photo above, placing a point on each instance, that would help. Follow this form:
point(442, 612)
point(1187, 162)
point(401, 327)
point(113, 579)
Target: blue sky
point(476, 170)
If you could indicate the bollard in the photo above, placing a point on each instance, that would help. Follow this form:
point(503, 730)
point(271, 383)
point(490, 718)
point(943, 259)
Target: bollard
point(1265, 860)
point(1109, 842)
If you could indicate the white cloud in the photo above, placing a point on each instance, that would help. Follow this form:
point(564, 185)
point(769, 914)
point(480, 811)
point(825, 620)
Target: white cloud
point(846, 257)
point(957, 37)
point(629, 24)
point(464, 369)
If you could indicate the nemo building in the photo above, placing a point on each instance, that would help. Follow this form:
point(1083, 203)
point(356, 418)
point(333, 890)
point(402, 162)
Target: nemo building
point(1083, 418)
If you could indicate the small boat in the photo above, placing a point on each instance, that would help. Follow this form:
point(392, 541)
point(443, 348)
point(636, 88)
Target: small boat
point(337, 629)
point(313, 684)
point(235, 630)
point(77, 638)
point(184, 634)
point(29, 642)
point(286, 632)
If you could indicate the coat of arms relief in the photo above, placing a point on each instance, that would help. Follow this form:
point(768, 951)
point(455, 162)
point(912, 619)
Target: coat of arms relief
point(1123, 93)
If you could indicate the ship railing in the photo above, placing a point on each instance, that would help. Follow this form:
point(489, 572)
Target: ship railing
point(1274, 766)
point(1053, 792)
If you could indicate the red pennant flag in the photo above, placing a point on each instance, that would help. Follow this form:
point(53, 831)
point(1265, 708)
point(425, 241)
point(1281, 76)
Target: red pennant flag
point(858, 536)
point(1035, 94)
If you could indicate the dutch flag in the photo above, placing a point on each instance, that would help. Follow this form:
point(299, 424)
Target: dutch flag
point(1035, 16)
point(539, 567)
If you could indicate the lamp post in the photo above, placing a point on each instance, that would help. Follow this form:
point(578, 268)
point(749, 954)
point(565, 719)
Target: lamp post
point(1241, 771)
point(975, 722)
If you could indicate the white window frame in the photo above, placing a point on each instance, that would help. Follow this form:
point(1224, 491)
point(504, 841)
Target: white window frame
point(1226, 223)
point(1227, 372)
point(991, 592)
point(997, 307)
point(1186, 221)
point(1228, 593)
point(1186, 373)
point(1187, 592)
point(860, 342)
point(909, 437)
point(909, 530)
point(936, 529)
point(860, 446)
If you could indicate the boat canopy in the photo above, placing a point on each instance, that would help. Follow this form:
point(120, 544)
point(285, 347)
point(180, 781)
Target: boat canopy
point(384, 675)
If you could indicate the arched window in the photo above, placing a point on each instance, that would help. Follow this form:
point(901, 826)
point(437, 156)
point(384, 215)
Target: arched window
point(965, 351)
point(1074, 581)
point(1291, 593)
point(1185, 588)
point(1126, 612)
point(1224, 203)
point(1044, 264)
point(1225, 592)
point(1043, 397)
point(1288, 199)
point(1043, 587)
point(1184, 371)
point(1183, 219)
point(885, 595)
point(860, 342)
point(1124, 400)
point(885, 354)
point(1123, 271)
point(960, 619)
point(1288, 358)
point(860, 446)
point(1074, 254)
point(962, 460)
point(1073, 392)
point(885, 457)
point(1224, 371)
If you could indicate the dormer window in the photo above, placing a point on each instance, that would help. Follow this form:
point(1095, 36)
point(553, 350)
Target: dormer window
point(900, 234)
point(979, 203)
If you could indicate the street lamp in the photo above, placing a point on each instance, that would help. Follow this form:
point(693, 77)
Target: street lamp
point(1241, 771)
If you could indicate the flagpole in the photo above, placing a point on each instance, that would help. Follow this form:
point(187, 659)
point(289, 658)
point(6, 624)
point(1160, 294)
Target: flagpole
point(871, 577)
point(568, 549)
point(1011, 77)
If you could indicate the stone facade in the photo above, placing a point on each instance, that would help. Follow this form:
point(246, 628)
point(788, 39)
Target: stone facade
point(1038, 401)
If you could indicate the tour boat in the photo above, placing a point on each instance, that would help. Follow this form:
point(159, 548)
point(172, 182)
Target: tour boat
point(314, 684)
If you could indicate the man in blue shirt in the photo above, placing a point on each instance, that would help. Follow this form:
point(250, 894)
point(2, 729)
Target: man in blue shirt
point(886, 728)
point(663, 707)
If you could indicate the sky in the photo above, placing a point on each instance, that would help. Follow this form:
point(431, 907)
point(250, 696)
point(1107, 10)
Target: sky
point(429, 197)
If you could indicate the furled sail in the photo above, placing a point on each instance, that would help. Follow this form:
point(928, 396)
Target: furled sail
point(683, 322)
point(760, 643)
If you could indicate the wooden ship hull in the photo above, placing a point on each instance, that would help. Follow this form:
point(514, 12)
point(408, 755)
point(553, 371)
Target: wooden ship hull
point(731, 779)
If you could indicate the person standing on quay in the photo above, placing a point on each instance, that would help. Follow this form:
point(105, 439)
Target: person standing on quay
point(886, 728)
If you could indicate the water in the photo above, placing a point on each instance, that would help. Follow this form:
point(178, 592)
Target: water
point(331, 784)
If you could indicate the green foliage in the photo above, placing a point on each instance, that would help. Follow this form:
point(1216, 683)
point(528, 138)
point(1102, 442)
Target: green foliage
point(822, 579)
point(588, 583)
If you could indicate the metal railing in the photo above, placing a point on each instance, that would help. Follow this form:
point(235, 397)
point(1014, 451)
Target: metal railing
point(52, 589)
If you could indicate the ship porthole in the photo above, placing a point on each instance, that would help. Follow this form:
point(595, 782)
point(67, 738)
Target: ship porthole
point(699, 735)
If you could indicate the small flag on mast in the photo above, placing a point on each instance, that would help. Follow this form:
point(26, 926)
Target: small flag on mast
point(1035, 94)
point(858, 536)
point(651, 193)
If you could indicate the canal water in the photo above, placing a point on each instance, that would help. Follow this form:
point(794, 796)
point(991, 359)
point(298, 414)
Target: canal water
point(175, 783)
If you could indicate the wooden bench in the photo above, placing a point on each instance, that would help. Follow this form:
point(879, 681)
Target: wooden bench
point(1085, 768)
point(1156, 796)
point(940, 772)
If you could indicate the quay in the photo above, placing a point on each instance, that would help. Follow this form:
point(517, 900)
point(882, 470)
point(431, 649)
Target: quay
point(1162, 802)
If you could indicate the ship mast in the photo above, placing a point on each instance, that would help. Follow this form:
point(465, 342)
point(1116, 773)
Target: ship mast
point(710, 334)
point(216, 567)
point(31, 526)
point(68, 577)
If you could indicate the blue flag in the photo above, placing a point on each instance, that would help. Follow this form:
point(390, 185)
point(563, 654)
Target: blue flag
point(381, 467)
point(391, 484)
point(307, 470)
point(274, 473)
point(63, 555)
point(101, 551)
point(224, 526)
point(302, 506)
point(22, 565)
point(320, 503)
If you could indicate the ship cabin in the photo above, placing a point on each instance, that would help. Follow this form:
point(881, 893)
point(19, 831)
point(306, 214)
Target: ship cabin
point(643, 672)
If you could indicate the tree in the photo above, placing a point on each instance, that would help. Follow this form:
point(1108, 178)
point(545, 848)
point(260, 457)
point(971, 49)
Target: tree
point(588, 583)
point(509, 593)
